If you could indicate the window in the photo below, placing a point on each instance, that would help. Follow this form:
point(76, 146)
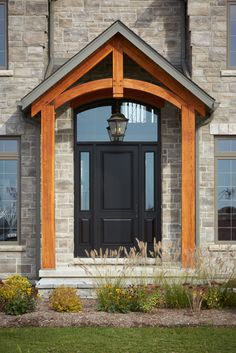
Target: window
point(3, 34)
point(232, 34)
point(142, 124)
point(9, 189)
point(225, 152)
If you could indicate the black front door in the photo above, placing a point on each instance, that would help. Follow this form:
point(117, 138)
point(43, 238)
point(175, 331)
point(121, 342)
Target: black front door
point(119, 196)
point(116, 203)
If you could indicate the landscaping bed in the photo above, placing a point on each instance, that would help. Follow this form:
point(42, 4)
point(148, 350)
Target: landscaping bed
point(43, 316)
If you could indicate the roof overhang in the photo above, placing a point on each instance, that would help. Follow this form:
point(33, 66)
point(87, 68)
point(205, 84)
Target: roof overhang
point(118, 28)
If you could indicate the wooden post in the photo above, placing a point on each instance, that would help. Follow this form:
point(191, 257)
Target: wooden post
point(118, 69)
point(47, 186)
point(188, 185)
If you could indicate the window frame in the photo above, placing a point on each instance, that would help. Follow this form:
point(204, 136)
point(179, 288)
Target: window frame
point(219, 156)
point(229, 3)
point(5, 66)
point(14, 156)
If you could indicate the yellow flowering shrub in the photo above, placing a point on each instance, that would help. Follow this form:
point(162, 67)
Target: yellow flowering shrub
point(17, 296)
point(65, 299)
point(113, 298)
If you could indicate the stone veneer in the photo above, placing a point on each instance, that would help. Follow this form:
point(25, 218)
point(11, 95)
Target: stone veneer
point(76, 23)
point(208, 39)
point(27, 41)
point(171, 183)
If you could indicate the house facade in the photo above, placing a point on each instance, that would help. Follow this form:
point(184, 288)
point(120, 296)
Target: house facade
point(69, 184)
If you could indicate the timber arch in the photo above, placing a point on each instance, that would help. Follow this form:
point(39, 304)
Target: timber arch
point(61, 88)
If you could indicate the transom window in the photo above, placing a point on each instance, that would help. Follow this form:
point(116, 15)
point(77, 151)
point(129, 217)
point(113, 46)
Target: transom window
point(9, 180)
point(232, 34)
point(3, 34)
point(142, 124)
point(225, 152)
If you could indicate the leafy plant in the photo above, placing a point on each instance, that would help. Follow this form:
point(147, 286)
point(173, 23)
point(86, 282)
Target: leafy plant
point(176, 295)
point(20, 304)
point(65, 299)
point(214, 297)
point(146, 298)
point(113, 298)
point(17, 295)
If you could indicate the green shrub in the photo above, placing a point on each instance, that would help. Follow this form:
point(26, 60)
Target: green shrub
point(20, 304)
point(113, 298)
point(176, 296)
point(65, 299)
point(214, 297)
point(229, 299)
point(17, 296)
point(145, 299)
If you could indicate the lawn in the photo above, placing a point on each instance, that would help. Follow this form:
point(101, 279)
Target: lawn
point(118, 340)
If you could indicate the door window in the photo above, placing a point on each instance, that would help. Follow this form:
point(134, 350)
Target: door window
point(142, 124)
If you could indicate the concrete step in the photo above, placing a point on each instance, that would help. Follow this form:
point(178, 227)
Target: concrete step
point(86, 278)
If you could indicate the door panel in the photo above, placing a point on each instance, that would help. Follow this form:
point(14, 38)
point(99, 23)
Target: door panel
point(121, 200)
point(116, 179)
point(117, 195)
point(117, 231)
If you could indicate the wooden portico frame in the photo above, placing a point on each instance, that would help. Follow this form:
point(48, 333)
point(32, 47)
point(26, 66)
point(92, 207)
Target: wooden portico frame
point(64, 90)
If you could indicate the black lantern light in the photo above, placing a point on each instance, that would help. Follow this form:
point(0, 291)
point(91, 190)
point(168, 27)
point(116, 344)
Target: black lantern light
point(117, 126)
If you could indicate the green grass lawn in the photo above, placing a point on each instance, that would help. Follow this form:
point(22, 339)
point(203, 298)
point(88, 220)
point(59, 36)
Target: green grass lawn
point(115, 340)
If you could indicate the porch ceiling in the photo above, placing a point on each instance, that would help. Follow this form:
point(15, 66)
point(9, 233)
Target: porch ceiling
point(118, 28)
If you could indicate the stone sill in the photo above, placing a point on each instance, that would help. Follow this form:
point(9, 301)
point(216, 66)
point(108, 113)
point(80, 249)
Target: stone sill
point(12, 248)
point(222, 129)
point(108, 261)
point(7, 73)
point(222, 247)
point(228, 73)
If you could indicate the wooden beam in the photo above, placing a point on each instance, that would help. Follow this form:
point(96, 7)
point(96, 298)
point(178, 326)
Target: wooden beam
point(188, 185)
point(158, 91)
point(134, 89)
point(77, 91)
point(71, 78)
point(47, 186)
point(145, 98)
point(140, 97)
point(160, 75)
point(89, 98)
point(117, 68)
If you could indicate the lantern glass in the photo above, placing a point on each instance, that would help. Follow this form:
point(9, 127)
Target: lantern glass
point(117, 126)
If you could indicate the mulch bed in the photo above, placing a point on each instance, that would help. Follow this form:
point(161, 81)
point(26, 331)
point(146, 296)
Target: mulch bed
point(46, 317)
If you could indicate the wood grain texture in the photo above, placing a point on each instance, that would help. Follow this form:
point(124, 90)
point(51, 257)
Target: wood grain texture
point(159, 74)
point(188, 185)
point(141, 97)
point(71, 78)
point(80, 90)
point(158, 91)
point(47, 187)
point(117, 68)
point(91, 98)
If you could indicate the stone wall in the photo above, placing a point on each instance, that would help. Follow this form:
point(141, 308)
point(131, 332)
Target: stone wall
point(76, 23)
point(208, 26)
point(64, 186)
point(27, 41)
point(171, 183)
point(158, 22)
